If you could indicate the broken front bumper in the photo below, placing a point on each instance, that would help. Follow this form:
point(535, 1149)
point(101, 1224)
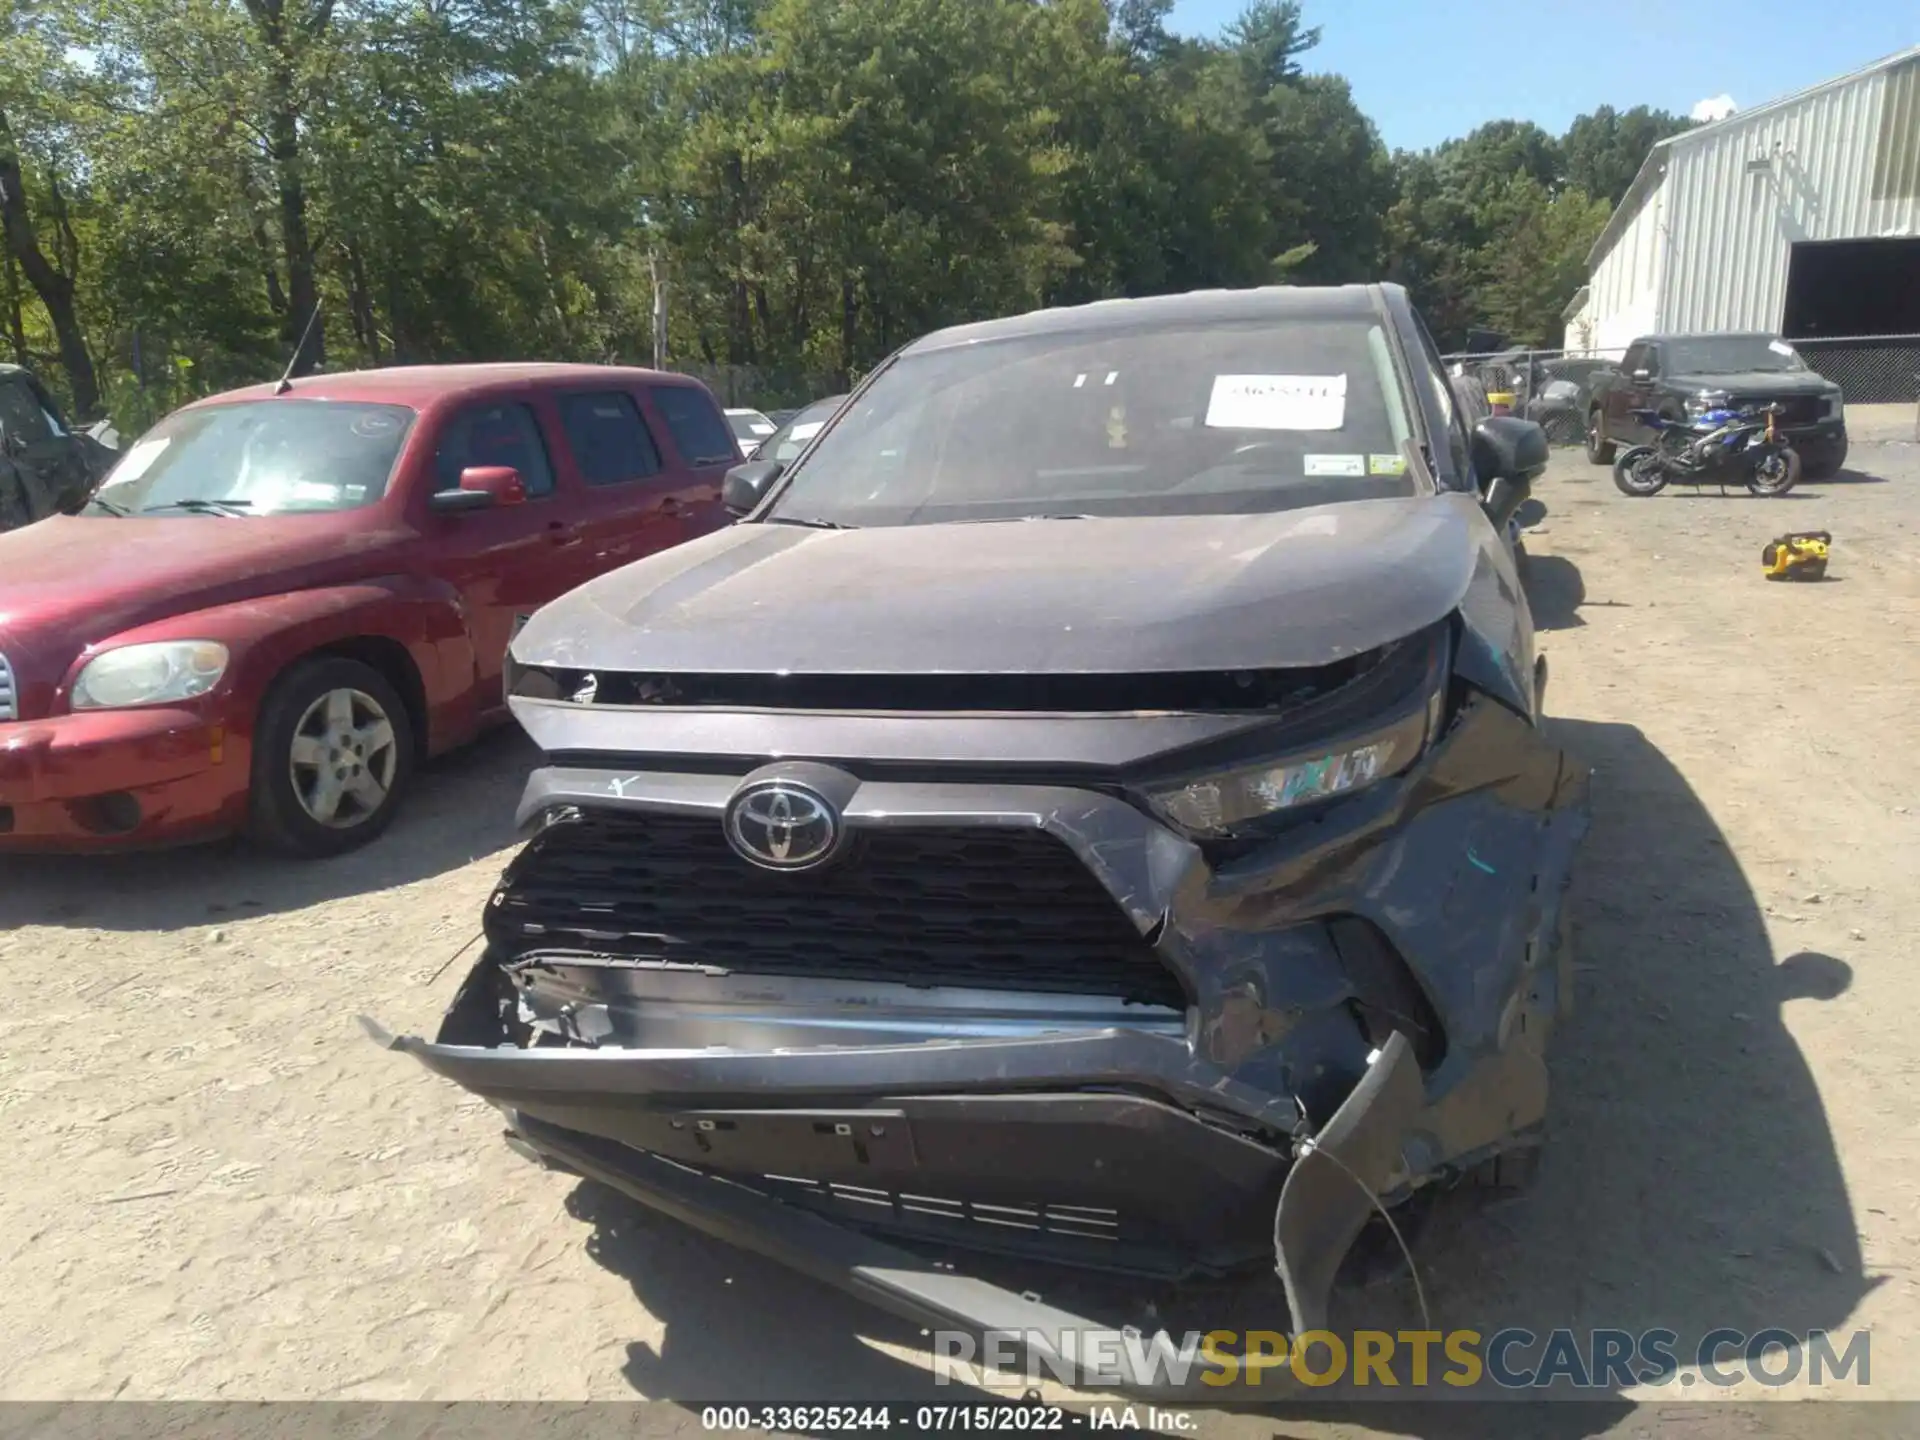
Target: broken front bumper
point(580, 1116)
point(1367, 999)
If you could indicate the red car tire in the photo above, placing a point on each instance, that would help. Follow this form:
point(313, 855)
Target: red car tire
point(333, 755)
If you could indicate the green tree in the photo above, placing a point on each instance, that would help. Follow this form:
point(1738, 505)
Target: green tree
point(1605, 150)
point(38, 233)
point(1538, 258)
point(1330, 180)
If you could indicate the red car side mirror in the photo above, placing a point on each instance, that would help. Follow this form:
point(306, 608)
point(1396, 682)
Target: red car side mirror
point(502, 482)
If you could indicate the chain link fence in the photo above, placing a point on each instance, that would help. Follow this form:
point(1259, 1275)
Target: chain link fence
point(762, 387)
point(1877, 370)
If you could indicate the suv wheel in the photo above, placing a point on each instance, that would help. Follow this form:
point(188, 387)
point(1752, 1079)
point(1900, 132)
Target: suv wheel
point(332, 756)
point(1599, 449)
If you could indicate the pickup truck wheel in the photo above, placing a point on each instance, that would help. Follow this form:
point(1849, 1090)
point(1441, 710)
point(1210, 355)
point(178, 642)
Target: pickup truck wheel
point(1824, 464)
point(332, 756)
point(1599, 449)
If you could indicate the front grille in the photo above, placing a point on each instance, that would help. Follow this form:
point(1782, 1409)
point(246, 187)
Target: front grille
point(9, 694)
point(973, 908)
point(1794, 410)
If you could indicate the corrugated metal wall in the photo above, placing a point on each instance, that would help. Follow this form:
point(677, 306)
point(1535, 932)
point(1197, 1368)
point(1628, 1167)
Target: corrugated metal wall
point(1626, 283)
point(1842, 164)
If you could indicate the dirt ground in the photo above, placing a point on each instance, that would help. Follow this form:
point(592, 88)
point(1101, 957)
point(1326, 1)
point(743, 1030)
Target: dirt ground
point(216, 1187)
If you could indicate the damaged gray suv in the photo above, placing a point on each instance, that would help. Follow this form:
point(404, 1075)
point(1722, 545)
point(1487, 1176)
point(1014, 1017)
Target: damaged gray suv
point(1093, 808)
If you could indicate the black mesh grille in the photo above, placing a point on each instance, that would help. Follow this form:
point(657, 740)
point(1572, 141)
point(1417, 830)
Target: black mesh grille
point(983, 908)
point(1794, 409)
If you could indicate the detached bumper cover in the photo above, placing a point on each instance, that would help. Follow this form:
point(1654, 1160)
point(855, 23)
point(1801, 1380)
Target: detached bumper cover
point(1325, 1203)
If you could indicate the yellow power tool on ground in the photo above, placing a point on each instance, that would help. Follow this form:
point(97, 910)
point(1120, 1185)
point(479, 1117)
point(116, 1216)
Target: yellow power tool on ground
point(1801, 556)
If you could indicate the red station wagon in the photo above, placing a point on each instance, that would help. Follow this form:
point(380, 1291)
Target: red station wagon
point(284, 597)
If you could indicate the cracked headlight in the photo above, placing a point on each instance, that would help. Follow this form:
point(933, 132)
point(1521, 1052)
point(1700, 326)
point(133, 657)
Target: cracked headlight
point(1220, 805)
point(151, 674)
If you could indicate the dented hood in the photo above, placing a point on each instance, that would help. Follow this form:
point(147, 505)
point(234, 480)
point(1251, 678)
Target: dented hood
point(1297, 588)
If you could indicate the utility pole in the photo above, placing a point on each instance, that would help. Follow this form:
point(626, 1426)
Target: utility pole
point(658, 273)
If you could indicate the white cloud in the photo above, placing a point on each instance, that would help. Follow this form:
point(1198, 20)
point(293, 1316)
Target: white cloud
point(1717, 108)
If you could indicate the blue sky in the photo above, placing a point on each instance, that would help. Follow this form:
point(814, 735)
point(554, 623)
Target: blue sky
point(1425, 70)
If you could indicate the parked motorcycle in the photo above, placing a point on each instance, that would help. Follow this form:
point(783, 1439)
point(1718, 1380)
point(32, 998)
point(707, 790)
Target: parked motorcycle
point(1718, 447)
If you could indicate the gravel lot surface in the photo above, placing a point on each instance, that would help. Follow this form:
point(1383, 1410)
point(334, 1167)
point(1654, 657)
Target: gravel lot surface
point(217, 1187)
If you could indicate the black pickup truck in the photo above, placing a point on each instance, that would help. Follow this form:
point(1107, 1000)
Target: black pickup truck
point(1682, 375)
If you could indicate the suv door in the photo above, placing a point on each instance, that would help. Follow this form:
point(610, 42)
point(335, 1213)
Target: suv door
point(703, 446)
point(507, 561)
point(631, 503)
point(41, 467)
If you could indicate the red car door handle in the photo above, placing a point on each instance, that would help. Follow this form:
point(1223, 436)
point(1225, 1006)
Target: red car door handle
point(561, 535)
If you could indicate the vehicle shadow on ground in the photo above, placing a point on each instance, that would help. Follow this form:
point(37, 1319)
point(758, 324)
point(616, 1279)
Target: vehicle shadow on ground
point(461, 809)
point(1851, 475)
point(1690, 1181)
point(1555, 592)
point(742, 1329)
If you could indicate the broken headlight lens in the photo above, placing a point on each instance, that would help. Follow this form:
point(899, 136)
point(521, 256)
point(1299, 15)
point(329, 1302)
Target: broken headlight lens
point(1220, 806)
point(151, 674)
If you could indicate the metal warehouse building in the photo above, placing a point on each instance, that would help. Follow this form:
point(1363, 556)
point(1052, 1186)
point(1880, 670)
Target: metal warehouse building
point(1800, 217)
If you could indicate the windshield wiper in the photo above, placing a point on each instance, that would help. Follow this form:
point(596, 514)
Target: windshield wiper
point(811, 522)
point(202, 507)
point(94, 502)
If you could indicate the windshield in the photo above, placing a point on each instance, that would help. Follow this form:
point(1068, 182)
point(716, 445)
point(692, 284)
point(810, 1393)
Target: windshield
point(1214, 419)
point(749, 427)
point(1732, 354)
point(790, 439)
point(260, 457)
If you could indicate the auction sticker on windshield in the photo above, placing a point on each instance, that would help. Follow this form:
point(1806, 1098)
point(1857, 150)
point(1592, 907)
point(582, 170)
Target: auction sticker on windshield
point(1336, 464)
point(137, 461)
point(1278, 402)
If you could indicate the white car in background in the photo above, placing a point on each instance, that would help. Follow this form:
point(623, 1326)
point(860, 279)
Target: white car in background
point(751, 429)
point(786, 443)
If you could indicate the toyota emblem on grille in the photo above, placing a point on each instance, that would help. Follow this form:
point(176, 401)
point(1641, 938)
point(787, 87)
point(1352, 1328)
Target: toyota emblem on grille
point(779, 825)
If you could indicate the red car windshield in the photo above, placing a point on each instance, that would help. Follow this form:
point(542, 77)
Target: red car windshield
point(260, 457)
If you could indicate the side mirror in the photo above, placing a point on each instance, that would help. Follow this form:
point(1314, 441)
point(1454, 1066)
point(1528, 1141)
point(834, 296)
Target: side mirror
point(1509, 455)
point(482, 487)
point(747, 485)
point(502, 482)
